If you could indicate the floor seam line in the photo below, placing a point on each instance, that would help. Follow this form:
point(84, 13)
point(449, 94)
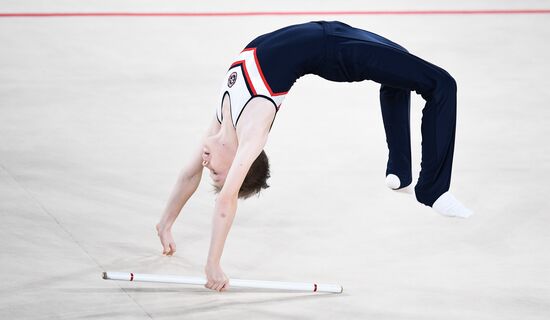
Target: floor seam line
point(43, 208)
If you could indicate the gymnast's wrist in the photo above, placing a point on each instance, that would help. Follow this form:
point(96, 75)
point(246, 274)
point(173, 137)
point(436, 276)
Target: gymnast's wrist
point(163, 226)
point(212, 261)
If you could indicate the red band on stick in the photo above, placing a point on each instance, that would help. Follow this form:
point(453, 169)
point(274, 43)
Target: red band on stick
point(131, 276)
point(314, 287)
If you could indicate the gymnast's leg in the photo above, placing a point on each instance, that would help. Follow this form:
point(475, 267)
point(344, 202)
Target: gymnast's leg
point(395, 104)
point(362, 60)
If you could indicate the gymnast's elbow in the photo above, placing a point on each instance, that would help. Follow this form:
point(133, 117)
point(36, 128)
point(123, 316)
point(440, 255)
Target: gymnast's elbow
point(225, 204)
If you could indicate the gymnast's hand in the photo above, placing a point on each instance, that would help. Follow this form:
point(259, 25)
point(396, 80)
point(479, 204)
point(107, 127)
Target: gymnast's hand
point(216, 279)
point(166, 239)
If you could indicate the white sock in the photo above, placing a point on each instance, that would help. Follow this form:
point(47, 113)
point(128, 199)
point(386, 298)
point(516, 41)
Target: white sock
point(449, 206)
point(393, 182)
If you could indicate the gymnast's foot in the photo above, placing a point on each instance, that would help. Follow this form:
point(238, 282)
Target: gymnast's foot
point(447, 205)
point(393, 182)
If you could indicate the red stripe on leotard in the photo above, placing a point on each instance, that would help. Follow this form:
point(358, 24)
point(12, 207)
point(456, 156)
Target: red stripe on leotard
point(262, 73)
point(246, 75)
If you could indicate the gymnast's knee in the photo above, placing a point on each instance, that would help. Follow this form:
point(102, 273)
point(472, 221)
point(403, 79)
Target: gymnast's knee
point(450, 83)
point(444, 87)
point(446, 83)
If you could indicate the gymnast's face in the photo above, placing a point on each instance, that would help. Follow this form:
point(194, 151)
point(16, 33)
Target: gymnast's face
point(217, 157)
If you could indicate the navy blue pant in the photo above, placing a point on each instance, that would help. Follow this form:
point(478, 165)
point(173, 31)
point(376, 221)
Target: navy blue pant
point(357, 55)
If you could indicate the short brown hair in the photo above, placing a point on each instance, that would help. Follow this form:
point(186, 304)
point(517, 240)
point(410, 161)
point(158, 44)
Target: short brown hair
point(256, 178)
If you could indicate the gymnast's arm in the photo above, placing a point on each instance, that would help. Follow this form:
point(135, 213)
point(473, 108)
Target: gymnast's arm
point(252, 137)
point(186, 184)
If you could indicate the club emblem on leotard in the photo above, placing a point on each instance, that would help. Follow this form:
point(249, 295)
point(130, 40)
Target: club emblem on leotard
point(232, 79)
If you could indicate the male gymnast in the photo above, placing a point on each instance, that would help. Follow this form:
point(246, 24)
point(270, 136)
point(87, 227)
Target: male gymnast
point(253, 90)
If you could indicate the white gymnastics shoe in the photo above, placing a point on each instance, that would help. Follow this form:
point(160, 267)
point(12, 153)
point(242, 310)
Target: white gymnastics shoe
point(393, 182)
point(447, 205)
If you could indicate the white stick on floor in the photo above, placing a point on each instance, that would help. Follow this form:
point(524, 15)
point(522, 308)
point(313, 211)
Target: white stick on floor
point(238, 283)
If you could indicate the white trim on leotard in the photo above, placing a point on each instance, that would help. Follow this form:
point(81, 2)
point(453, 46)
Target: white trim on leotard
point(243, 81)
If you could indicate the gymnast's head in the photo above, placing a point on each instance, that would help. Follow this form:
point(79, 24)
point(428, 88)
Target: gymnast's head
point(218, 157)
